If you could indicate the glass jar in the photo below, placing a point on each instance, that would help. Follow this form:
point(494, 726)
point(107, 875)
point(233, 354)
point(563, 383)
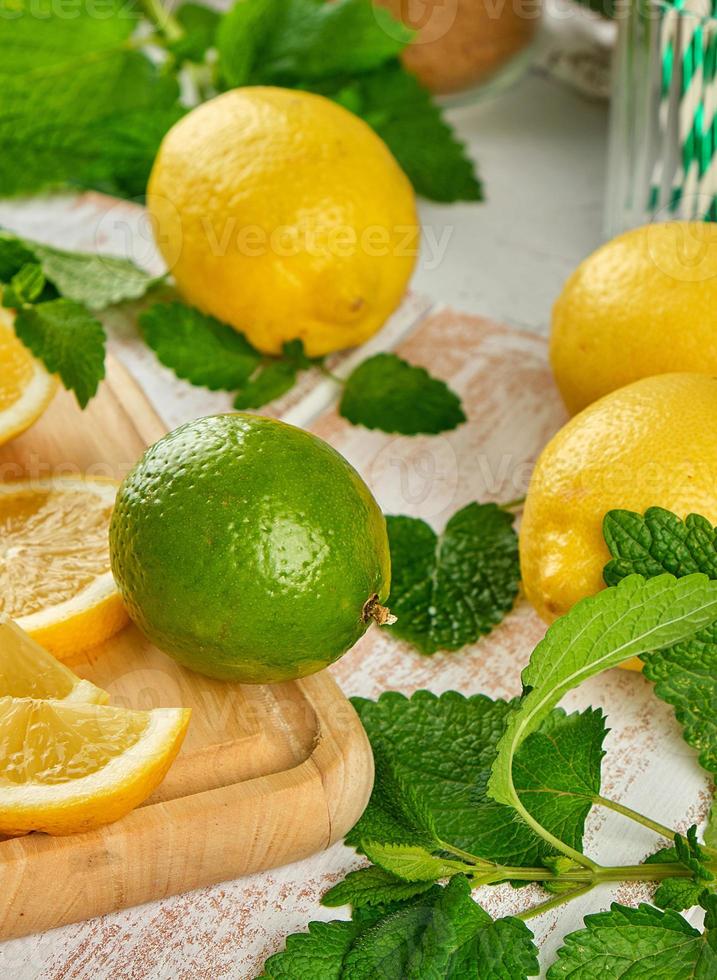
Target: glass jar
point(663, 121)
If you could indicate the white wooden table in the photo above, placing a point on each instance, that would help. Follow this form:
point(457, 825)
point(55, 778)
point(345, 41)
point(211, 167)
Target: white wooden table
point(541, 153)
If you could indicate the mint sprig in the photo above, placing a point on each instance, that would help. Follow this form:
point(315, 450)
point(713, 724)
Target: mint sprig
point(599, 632)
point(56, 293)
point(463, 785)
point(384, 392)
point(88, 99)
point(82, 104)
point(433, 760)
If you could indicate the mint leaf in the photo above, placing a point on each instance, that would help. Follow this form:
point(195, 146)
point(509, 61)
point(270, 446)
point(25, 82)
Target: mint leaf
point(557, 771)
point(443, 934)
point(411, 863)
point(97, 281)
point(440, 750)
point(241, 36)
point(439, 935)
point(68, 340)
point(315, 955)
point(599, 632)
point(403, 114)
point(683, 893)
point(387, 393)
point(449, 590)
point(266, 384)
point(685, 676)
point(637, 943)
point(297, 41)
point(197, 347)
point(318, 40)
point(678, 893)
point(80, 105)
point(372, 886)
point(658, 542)
point(25, 286)
point(14, 254)
point(200, 27)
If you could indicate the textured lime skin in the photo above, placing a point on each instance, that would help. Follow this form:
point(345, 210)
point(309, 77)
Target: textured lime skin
point(246, 549)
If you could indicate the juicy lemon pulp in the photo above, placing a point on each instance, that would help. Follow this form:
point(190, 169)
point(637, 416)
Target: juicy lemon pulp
point(55, 577)
point(51, 547)
point(25, 386)
point(18, 368)
point(28, 671)
point(67, 768)
point(46, 743)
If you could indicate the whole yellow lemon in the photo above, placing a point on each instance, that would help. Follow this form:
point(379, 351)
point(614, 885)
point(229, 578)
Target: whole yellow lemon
point(286, 216)
point(643, 304)
point(653, 442)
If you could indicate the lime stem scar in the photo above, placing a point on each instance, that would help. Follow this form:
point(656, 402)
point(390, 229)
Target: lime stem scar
point(373, 610)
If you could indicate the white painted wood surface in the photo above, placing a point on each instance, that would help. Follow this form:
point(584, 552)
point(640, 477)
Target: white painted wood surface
point(541, 154)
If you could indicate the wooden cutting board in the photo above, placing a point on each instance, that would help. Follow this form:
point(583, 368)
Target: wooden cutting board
point(267, 774)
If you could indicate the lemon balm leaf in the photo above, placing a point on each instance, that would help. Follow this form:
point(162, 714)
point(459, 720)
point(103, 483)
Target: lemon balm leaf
point(685, 675)
point(385, 392)
point(68, 340)
point(447, 590)
point(290, 41)
point(80, 105)
point(314, 955)
point(24, 287)
point(97, 281)
point(599, 632)
point(197, 347)
point(403, 114)
point(439, 751)
point(441, 932)
point(269, 382)
point(658, 542)
point(372, 886)
point(641, 942)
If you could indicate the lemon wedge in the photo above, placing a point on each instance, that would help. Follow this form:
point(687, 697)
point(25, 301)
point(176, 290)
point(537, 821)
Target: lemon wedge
point(55, 578)
point(26, 388)
point(28, 671)
point(67, 768)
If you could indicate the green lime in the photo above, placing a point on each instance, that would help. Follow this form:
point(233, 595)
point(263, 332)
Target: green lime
point(249, 550)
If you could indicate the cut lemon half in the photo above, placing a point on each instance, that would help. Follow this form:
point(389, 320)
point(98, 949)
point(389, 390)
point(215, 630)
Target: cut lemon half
point(67, 768)
point(28, 671)
point(26, 388)
point(55, 578)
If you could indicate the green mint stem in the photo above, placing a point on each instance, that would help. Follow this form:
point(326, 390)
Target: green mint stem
point(640, 818)
point(331, 376)
point(168, 25)
point(554, 902)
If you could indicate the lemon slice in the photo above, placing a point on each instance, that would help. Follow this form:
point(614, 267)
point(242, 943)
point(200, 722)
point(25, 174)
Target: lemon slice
point(28, 671)
point(25, 386)
point(55, 578)
point(66, 768)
